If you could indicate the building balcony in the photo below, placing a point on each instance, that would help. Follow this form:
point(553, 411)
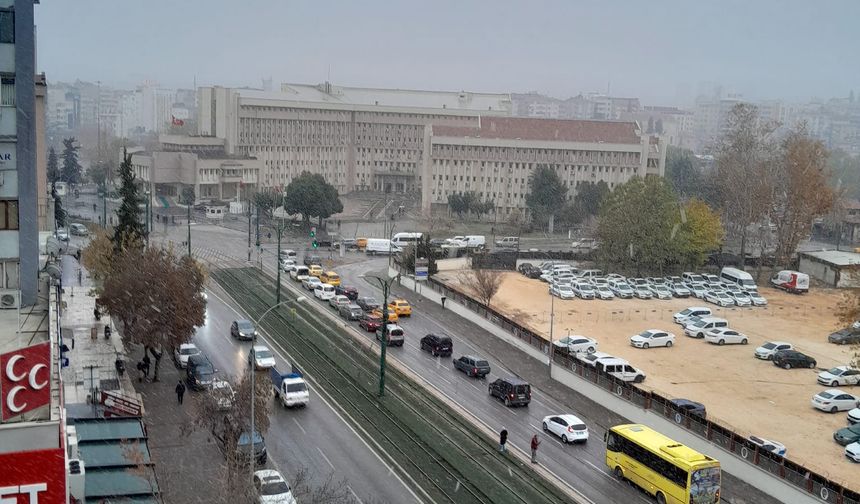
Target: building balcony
point(8, 122)
point(7, 58)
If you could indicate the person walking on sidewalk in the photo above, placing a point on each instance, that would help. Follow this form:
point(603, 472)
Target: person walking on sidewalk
point(503, 440)
point(180, 390)
point(139, 371)
point(535, 444)
point(146, 363)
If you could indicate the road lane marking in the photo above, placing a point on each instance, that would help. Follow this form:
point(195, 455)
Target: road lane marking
point(326, 459)
point(300, 427)
point(601, 471)
point(355, 495)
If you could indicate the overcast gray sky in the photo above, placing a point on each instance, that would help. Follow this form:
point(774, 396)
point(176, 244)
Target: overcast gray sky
point(659, 50)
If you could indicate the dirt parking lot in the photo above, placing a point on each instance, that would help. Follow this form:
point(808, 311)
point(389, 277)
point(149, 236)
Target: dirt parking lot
point(753, 396)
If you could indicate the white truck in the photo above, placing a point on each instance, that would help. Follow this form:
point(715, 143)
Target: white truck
point(290, 388)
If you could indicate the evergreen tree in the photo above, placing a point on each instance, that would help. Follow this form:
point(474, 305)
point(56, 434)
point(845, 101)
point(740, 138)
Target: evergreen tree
point(59, 213)
point(53, 166)
point(130, 228)
point(548, 193)
point(71, 172)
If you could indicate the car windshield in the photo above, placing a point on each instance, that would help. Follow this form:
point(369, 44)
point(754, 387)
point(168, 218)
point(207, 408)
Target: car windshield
point(697, 278)
point(297, 387)
point(245, 326)
point(482, 363)
point(262, 354)
point(623, 286)
point(189, 351)
point(825, 395)
point(686, 312)
point(836, 371)
point(646, 334)
point(371, 301)
point(274, 488)
point(768, 346)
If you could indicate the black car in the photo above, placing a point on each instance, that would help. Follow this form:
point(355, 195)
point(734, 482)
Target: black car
point(788, 359)
point(472, 366)
point(437, 345)
point(199, 372)
point(847, 336)
point(511, 391)
point(522, 268)
point(243, 330)
point(346, 290)
point(351, 311)
point(689, 407)
point(367, 303)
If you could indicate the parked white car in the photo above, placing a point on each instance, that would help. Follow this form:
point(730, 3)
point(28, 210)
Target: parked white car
point(338, 300)
point(698, 290)
point(272, 488)
point(699, 328)
point(740, 297)
point(603, 292)
point(642, 292)
point(693, 311)
point(712, 280)
point(262, 357)
point(725, 336)
point(757, 299)
point(621, 289)
point(680, 290)
point(652, 338)
point(852, 451)
point(568, 427)
point(583, 290)
point(719, 298)
point(769, 348)
point(660, 291)
point(576, 344)
point(833, 400)
point(854, 416)
point(768, 445)
point(183, 352)
point(223, 393)
point(839, 376)
point(561, 291)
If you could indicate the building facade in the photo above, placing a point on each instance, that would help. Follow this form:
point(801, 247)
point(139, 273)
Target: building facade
point(357, 138)
point(198, 162)
point(496, 158)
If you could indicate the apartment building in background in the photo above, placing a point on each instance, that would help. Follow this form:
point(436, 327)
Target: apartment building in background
point(429, 143)
point(495, 158)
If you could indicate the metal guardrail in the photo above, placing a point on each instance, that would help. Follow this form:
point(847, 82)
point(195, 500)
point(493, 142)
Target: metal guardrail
point(794, 473)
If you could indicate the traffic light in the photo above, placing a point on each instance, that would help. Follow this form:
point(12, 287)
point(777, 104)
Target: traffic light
point(313, 232)
point(315, 244)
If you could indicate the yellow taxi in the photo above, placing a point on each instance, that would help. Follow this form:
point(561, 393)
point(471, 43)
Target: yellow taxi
point(331, 278)
point(315, 270)
point(401, 307)
point(392, 315)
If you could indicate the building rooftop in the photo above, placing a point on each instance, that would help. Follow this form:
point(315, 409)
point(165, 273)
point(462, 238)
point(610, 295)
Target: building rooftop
point(520, 128)
point(836, 257)
point(406, 98)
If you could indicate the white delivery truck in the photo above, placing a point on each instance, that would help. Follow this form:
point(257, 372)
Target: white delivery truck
point(290, 388)
point(381, 246)
point(792, 281)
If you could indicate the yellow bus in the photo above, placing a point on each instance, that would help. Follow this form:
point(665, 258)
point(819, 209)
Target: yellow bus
point(666, 469)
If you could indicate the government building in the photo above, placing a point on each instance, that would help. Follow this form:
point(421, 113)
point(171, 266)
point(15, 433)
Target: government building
point(429, 143)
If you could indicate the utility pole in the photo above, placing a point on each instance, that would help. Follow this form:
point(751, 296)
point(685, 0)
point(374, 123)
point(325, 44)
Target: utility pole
point(249, 231)
point(188, 202)
point(253, 400)
point(104, 204)
point(257, 211)
point(385, 284)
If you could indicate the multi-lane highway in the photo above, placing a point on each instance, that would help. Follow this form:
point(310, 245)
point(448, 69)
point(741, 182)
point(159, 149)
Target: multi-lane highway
point(315, 437)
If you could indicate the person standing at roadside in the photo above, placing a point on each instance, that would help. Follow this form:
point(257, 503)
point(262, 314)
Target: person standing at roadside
point(503, 440)
point(535, 444)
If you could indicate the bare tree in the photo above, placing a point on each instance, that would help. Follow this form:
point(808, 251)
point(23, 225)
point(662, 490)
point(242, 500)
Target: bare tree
point(484, 283)
point(802, 191)
point(157, 296)
point(745, 156)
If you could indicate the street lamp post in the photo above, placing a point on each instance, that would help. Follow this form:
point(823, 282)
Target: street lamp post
point(299, 299)
point(249, 231)
point(551, 316)
point(104, 204)
point(188, 203)
point(385, 285)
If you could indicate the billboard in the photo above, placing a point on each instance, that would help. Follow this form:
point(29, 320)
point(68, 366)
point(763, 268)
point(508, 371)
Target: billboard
point(33, 477)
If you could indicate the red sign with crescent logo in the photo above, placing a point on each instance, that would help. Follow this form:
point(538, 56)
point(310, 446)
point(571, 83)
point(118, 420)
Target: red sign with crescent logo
point(25, 380)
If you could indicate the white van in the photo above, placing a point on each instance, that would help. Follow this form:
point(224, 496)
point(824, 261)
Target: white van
point(324, 291)
point(693, 311)
point(703, 325)
point(738, 277)
point(382, 246)
point(299, 273)
point(792, 281)
point(475, 241)
point(403, 239)
point(619, 368)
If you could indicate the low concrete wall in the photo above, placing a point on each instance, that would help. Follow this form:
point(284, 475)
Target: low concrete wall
point(471, 316)
point(457, 263)
point(730, 463)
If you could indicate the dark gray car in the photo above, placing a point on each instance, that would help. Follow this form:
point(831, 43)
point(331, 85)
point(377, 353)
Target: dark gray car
point(472, 365)
point(351, 311)
point(847, 336)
